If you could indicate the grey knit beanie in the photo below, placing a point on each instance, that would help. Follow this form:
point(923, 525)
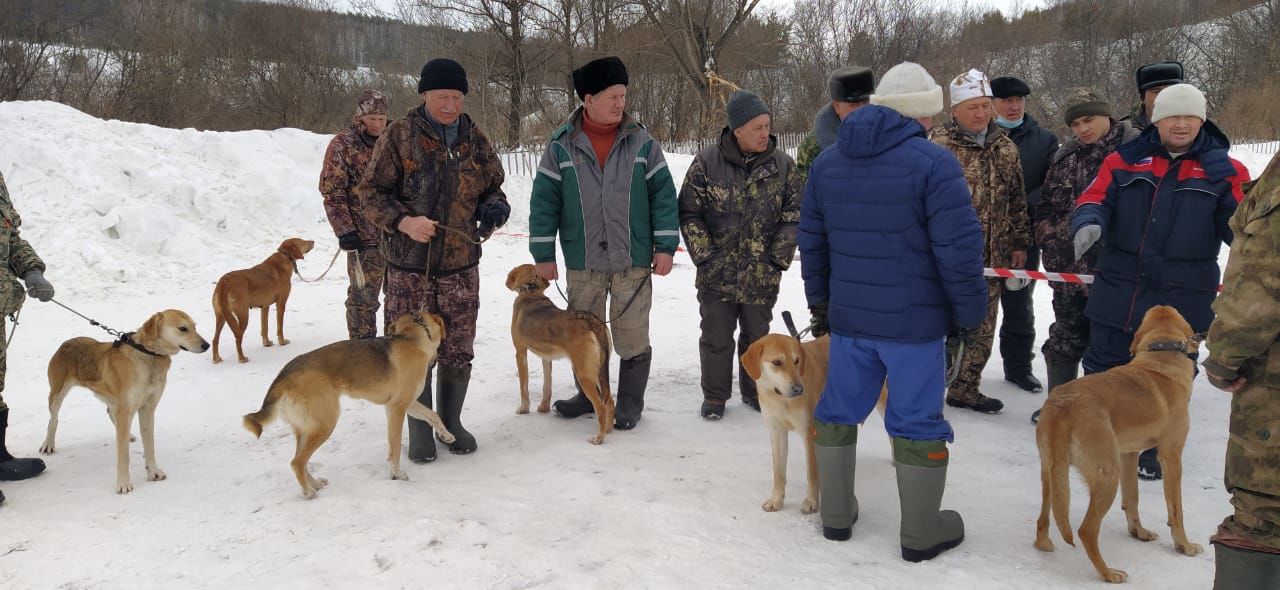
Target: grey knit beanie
point(744, 106)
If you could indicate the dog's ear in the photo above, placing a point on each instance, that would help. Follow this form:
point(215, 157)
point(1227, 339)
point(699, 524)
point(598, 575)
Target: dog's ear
point(751, 359)
point(295, 249)
point(804, 358)
point(150, 329)
point(511, 278)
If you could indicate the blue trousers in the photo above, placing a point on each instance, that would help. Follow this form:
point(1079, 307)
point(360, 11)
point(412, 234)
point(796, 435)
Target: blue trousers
point(915, 371)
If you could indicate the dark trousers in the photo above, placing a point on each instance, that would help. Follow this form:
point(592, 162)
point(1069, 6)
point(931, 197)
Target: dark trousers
point(715, 347)
point(1018, 324)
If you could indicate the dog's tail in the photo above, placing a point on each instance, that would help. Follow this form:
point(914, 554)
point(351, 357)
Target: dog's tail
point(255, 421)
point(1055, 472)
point(602, 340)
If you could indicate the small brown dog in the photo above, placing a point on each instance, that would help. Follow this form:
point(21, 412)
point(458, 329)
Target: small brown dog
point(1101, 422)
point(260, 286)
point(790, 376)
point(129, 376)
point(390, 370)
point(550, 332)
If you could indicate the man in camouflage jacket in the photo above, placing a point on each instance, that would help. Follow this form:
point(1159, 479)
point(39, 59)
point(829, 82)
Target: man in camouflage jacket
point(344, 163)
point(739, 207)
point(17, 259)
point(850, 88)
point(432, 178)
point(993, 170)
point(1244, 359)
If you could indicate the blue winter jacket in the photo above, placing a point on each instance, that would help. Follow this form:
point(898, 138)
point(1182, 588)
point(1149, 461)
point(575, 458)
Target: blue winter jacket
point(1163, 224)
point(888, 235)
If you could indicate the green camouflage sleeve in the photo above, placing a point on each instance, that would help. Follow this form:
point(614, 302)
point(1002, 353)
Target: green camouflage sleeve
point(1248, 315)
point(805, 155)
point(693, 223)
point(22, 257)
point(783, 249)
point(377, 188)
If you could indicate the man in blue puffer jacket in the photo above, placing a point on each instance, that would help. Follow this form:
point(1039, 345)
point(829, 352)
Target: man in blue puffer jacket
point(891, 252)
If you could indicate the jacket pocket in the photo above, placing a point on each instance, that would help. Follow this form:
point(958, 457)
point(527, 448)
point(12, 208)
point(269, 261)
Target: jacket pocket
point(401, 250)
point(1193, 233)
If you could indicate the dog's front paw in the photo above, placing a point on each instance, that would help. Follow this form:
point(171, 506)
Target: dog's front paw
point(244, 359)
point(523, 408)
point(217, 360)
point(155, 474)
point(544, 408)
point(399, 475)
point(321, 482)
point(124, 486)
point(309, 493)
point(1044, 544)
point(284, 342)
point(446, 437)
point(809, 506)
point(267, 344)
point(1142, 534)
point(772, 505)
point(1115, 576)
point(1190, 549)
point(597, 439)
point(46, 448)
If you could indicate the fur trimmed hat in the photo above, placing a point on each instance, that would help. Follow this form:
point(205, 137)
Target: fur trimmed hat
point(599, 74)
point(851, 84)
point(909, 89)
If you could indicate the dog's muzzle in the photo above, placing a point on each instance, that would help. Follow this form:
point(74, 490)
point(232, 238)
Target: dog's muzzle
point(796, 390)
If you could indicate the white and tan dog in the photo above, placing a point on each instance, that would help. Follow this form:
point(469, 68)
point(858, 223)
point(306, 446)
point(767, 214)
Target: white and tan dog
point(129, 376)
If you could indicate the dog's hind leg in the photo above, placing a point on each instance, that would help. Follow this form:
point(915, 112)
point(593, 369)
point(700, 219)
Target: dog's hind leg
point(1170, 456)
point(1101, 470)
point(522, 373)
point(219, 320)
point(545, 405)
point(810, 504)
point(1129, 497)
point(238, 328)
point(604, 413)
point(147, 424)
point(395, 432)
point(308, 442)
point(58, 388)
point(266, 311)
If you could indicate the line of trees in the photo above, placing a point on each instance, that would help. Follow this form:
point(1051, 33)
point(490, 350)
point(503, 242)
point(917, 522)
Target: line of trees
point(228, 64)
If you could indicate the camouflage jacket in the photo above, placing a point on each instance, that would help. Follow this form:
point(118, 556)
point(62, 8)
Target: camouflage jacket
point(1138, 117)
point(738, 217)
point(413, 173)
point(994, 174)
point(1072, 169)
point(344, 162)
point(1245, 335)
point(18, 256)
point(826, 127)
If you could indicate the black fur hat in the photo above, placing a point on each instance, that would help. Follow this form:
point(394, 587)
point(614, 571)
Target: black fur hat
point(851, 84)
point(599, 74)
point(1165, 73)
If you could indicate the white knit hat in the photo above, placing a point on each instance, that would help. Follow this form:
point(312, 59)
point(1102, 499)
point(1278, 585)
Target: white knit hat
point(1179, 99)
point(971, 84)
point(909, 89)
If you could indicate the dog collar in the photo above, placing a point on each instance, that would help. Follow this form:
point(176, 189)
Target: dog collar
point(127, 338)
point(1179, 346)
point(286, 255)
point(528, 286)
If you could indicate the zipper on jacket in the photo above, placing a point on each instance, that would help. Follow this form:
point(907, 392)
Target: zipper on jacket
point(1155, 196)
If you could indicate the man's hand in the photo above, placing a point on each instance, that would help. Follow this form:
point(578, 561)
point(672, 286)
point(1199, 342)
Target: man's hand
point(37, 286)
point(1085, 238)
point(1223, 378)
point(1018, 259)
point(350, 241)
point(818, 325)
point(547, 270)
point(662, 263)
point(419, 229)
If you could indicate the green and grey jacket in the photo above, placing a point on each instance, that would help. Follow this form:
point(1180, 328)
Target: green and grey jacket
point(610, 219)
point(739, 217)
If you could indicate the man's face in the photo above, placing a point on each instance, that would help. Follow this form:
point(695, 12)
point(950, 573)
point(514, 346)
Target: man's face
point(607, 106)
point(753, 138)
point(1177, 133)
point(844, 109)
point(1012, 108)
point(374, 124)
point(973, 115)
point(445, 106)
point(1089, 129)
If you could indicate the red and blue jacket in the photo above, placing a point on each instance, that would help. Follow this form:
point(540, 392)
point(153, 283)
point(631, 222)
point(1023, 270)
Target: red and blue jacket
point(1163, 221)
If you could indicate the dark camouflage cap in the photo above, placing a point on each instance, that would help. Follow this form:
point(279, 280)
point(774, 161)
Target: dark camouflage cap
point(1084, 102)
point(371, 102)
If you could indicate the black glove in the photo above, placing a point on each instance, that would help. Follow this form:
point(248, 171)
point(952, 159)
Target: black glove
point(958, 335)
point(818, 325)
point(492, 215)
point(37, 286)
point(350, 241)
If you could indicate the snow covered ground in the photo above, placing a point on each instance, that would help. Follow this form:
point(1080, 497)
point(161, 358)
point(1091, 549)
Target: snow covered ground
point(133, 219)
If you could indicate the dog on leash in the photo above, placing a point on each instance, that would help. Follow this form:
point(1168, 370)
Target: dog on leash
point(550, 332)
point(129, 376)
point(790, 376)
point(261, 286)
point(390, 371)
point(1101, 422)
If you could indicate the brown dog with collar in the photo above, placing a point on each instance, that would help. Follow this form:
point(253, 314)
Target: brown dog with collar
point(550, 332)
point(260, 286)
point(1101, 422)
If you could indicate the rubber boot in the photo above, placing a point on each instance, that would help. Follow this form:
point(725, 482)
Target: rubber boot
point(922, 477)
point(1059, 372)
point(422, 442)
point(12, 469)
point(452, 392)
point(633, 379)
point(579, 404)
point(1241, 569)
point(835, 447)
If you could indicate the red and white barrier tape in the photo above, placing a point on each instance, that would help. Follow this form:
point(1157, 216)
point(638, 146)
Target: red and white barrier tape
point(1035, 275)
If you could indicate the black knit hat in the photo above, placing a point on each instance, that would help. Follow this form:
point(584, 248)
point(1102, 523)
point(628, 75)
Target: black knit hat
point(599, 74)
point(1007, 86)
point(1165, 73)
point(851, 84)
point(443, 74)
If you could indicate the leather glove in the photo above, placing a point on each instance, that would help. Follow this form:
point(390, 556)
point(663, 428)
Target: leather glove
point(37, 286)
point(350, 241)
point(1085, 238)
point(818, 326)
point(492, 215)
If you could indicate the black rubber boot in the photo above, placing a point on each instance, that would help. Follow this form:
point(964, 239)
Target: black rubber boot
point(836, 450)
point(13, 469)
point(1240, 569)
point(633, 379)
point(922, 478)
point(580, 404)
point(422, 442)
point(1059, 372)
point(452, 392)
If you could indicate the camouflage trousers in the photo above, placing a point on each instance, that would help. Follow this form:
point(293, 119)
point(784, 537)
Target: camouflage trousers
point(1253, 469)
point(4, 359)
point(628, 326)
point(965, 387)
point(1069, 333)
point(455, 298)
point(362, 302)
